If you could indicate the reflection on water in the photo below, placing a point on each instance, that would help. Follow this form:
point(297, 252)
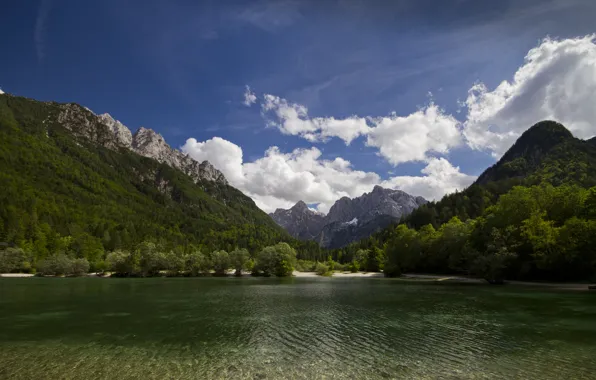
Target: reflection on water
point(293, 328)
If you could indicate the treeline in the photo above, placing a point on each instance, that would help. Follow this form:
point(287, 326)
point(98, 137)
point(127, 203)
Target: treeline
point(531, 233)
point(150, 260)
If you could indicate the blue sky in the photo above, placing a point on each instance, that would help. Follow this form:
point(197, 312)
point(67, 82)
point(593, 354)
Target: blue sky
point(181, 67)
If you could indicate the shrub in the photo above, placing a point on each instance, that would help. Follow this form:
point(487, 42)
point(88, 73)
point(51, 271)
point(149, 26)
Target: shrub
point(79, 267)
point(221, 262)
point(120, 262)
point(55, 265)
point(323, 270)
point(11, 260)
point(239, 259)
point(354, 266)
point(277, 259)
point(197, 263)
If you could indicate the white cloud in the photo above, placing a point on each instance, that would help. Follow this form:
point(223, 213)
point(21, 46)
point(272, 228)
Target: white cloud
point(223, 154)
point(1, 92)
point(398, 138)
point(440, 178)
point(249, 97)
point(292, 119)
point(279, 180)
point(557, 81)
point(402, 139)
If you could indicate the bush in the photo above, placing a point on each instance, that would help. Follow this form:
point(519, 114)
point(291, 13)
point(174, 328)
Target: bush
point(173, 264)
point(221, 262)
point(197, 263)
point(11, 260)
point(239, 259)
point(354, 266)
point(306, 266)
point(79, 267)
point(340, 267)
point(323, 270)
point(277, 259)
point(55, 265)
point(120, 262)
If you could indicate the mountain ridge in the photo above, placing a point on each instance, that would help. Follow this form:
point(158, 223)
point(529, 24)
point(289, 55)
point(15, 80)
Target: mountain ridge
point(145, 142)
point(347, 218)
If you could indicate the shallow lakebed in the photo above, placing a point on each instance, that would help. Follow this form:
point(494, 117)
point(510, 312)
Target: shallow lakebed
point(257, 328)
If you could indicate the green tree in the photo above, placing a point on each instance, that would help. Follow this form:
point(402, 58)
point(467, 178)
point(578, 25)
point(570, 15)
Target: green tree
point(197, 263)
point(79, 267)
point(402, 251)
point(221, 262)
point(120, 262)
point(12, 260)
point(278, 259)
point(239, 260)
point(55, 265)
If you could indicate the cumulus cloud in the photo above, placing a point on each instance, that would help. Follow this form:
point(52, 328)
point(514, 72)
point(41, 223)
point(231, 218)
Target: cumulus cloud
point(399, 138)
point(279, 180)
point(557, 81)
point(1, 92)
point(292, 119)
point(440, 178)
point(410, 138)
point(249, 97)
point(223, 154)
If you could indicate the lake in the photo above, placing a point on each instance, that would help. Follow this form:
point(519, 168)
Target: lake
point(257, 328)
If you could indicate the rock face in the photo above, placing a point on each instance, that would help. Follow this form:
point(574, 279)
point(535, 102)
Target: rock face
point(348, 219)
point(300, 221)
point(105, 130)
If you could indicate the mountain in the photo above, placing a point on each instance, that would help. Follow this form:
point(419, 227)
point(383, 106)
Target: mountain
point(348, 219)
point(71, 177)
point(300, 221)
point(546, 152)
point(104, 130)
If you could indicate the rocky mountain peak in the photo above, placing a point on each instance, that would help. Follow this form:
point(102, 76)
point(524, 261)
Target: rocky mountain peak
point(300, 206)
point(122, 134)
point(362, 214)
point(112, 134)
point(210, 173)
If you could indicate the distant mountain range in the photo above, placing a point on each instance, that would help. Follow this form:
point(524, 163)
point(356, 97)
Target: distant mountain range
point(348, 219)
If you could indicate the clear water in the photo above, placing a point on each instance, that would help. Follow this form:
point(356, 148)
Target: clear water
point(323, 328)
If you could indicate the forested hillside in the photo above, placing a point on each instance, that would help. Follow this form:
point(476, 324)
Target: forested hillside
point(529, 216)
point(66, 194)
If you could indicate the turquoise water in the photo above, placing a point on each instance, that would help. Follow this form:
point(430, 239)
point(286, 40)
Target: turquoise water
point(320, 328)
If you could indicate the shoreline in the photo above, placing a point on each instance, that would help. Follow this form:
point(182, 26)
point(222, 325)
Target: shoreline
point(409, 277)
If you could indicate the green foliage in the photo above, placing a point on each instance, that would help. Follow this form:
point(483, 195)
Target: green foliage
point(220, 261)
point(354, 266)
point(79, 267)
point(13, 260)
point(239, 259)
point(275, 260)
point(530, 233)
point(323, 270)
point(197, 263)
point(120, 262)
point(60, 264)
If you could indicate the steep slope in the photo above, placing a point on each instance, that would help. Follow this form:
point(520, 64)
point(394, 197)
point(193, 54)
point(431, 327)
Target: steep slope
point(300, 221)
point(67, 173)
point(546, 152)
point(348, 219)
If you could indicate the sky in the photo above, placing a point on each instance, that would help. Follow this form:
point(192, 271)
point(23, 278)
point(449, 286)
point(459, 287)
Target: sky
point(315, 100)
